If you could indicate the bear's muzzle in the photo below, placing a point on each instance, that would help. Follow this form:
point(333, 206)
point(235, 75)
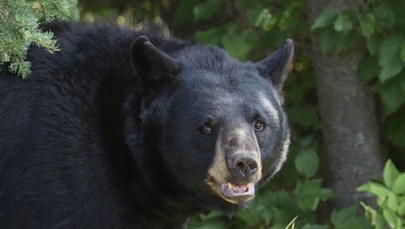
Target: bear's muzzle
point(236, 167)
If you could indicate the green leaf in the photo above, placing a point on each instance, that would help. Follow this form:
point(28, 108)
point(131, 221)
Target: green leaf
point(398, 186)
point(307, 162)
point(392, 201)
point(328, 40)
point(390, 59)
point(373, 44)
point(310, 193)
point(380, 222)
point(208, 224)
point(343, 23)
point(184, 12)
point(369, 212)
point(402, 82)
point(346, 41)
point(403, 51)
point(368, 68)
point(304, 116)
point(367, 23)
point(375, 218)
point(207, 221)
point(401, 206)
point(392, 97)
point(206, 10)
point(211, 36)
point(314, 226)
point(392, 219)
point(326, 18)
point(343, 217)
point(239, 45)
point(347, 218)
point(263, 18)
point(374, 188)
point(390, 173)
point(259, 210)
point(385, 15)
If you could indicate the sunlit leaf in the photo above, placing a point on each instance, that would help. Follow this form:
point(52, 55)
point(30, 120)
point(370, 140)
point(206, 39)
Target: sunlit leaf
point(392, 201)
point(398, 186)
point(369, 212)
point(390, 173)
point(392, 219)
point(374, 188)
point(401, 207)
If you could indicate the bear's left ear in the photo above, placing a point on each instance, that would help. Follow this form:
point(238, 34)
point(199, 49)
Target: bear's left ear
point(275, 67)
point(153, 67)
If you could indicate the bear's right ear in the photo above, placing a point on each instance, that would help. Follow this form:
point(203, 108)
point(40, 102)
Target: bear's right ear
point(153, 67)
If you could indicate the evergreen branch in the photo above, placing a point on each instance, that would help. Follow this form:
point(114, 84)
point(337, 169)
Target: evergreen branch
point(19, 28)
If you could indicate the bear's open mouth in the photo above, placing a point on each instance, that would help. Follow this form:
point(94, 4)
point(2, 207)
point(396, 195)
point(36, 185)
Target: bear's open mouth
point(237, 193)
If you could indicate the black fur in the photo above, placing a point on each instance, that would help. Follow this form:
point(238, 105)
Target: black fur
point(104, 133)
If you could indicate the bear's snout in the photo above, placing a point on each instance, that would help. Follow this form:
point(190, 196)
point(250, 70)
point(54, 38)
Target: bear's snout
point(242, 154)
point(243, 165)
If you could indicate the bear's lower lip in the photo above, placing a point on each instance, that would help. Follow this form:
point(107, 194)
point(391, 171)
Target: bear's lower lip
point(237, 193)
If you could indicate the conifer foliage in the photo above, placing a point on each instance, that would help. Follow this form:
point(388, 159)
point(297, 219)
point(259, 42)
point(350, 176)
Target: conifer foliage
point(19, 22)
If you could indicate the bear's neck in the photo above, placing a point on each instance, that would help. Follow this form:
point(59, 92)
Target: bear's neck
point(164, 203)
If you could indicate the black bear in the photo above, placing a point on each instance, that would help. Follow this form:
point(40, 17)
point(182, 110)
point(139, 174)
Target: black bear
point(134, 129)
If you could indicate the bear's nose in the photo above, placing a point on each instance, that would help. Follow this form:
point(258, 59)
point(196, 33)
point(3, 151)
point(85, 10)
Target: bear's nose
point(242, 166)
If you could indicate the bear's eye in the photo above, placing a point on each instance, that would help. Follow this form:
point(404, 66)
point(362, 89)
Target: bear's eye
point(259, 124)
point(207, 128)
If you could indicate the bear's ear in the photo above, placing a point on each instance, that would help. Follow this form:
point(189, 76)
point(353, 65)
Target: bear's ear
point(275, 67)
point(153, 67)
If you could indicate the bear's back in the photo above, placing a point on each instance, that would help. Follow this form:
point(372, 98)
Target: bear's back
point(52, 149)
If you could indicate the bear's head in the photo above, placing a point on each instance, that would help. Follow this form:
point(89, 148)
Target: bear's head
point(217, 125)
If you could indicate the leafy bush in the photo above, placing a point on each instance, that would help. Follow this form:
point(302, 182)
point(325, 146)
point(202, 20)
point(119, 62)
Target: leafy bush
point(390, 199)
